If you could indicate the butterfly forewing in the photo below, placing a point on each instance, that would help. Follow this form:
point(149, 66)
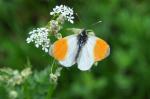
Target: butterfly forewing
point(65, 51)
point(101, 49)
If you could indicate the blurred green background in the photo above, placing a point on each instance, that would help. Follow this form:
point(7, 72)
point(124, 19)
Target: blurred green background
point(125, 74)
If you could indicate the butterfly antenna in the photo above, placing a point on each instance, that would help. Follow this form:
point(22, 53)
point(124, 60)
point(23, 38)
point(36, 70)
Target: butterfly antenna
point(94, 23)
point(77, 17)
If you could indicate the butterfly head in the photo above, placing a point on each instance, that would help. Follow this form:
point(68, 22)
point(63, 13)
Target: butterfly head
point(83, 32)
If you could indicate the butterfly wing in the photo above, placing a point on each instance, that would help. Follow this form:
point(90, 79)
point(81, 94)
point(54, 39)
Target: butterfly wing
point(101, 49)
point(94, 50)
point(64, 50)
point(86, 57)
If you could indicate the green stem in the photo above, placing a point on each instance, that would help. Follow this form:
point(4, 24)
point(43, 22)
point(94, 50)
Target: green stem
point(52, 86)
point(53, 63)
point(50, 91)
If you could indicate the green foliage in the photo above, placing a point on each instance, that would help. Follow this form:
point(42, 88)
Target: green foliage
point(123, 75)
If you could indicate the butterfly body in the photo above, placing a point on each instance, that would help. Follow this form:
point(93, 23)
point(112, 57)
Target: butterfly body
point(82, 39)
point(81, 48)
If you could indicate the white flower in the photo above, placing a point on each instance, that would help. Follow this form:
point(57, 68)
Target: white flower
point(16, 78)
point(54, 26)
point(13, 94)
point(26, 72)
point(58, 71)
point(67, 12)
point(54, 76)
point(40, 37)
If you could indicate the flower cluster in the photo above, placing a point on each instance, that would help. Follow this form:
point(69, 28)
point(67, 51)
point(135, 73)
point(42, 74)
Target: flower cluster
point(40, 37)
point(54, 76)
point(54, 26)
point(13, 94)
point(67, 12)
point(14, 77)
point(11, 78)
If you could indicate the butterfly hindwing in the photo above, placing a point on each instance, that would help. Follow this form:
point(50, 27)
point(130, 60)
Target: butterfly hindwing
point(86, 57)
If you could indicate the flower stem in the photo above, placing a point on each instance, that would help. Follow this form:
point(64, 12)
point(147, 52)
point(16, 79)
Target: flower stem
point(50, 91)
point(53, 63)
point(51, 86)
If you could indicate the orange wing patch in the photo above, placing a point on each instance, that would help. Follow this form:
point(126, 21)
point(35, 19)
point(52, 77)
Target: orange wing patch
point(60, 48)
point(101, 50)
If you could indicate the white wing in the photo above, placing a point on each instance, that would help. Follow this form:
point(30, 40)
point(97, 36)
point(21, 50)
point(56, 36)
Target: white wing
point(72, 51)
point(86, 57)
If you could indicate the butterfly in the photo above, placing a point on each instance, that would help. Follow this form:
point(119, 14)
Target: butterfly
point(81, 48)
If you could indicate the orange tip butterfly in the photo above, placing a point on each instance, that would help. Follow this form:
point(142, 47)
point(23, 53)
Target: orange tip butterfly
point(81, 48)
